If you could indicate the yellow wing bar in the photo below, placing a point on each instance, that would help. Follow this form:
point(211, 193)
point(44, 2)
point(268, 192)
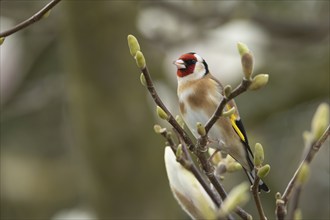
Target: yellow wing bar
point(233, 118)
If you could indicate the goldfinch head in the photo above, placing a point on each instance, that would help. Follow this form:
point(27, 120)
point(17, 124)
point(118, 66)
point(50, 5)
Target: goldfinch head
point(191, 66)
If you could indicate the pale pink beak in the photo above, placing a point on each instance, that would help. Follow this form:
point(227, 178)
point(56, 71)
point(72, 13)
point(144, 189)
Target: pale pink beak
point(180, 64)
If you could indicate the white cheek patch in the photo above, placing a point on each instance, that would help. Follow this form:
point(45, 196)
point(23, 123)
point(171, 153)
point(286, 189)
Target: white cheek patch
point(199, 58)
point(199, 68)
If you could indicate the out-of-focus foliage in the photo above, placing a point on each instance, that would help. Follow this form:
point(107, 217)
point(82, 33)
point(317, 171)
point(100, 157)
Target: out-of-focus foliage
point(76, 124)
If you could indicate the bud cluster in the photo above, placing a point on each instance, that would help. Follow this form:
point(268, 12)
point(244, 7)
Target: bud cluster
point(262, 170)
point(259, 80)
point(135, 51)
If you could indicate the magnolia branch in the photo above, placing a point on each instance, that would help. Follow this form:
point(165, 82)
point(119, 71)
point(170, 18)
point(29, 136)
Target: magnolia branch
point(207, 167)
point(159, 102)
point(255, 193)
point(218, 112)
point(186, 161)
point(200, 149)
point(308, 159)
point(36, 17)
point(281, 209)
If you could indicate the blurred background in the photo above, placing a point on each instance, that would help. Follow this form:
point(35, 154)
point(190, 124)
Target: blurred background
point(77, 136)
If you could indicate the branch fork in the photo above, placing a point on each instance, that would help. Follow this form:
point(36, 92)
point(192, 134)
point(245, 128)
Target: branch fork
point(200, 148)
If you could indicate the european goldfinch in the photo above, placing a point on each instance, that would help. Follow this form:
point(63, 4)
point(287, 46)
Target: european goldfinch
point(199, 95)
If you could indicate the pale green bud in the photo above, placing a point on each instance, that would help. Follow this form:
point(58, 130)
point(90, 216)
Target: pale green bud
point(247, 65)
point(242, 48)
point(258, 155)
point(46, 15)
point(320, 120)
point(161, 113)
point(259, 81)
point(169, 134)
point(179, 152)
point(232, 167)
point(278, 195)
point(180, 121)
point(303, 174)
point(221, 168)
point(279, 202)
point(231, 164)
point(158, 129)
point(229, 112)
point(249, 217)
point(263, 171)
point(238, 196)
point(200, 129)
point(227, 90)
point(2, 39)
point(140, 60)
point(307, 136)
point(143, 80)
point(133, 45)
point(216, 156)
point(297, 215)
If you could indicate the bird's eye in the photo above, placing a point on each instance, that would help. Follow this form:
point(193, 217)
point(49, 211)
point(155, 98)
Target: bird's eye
point(189, 62)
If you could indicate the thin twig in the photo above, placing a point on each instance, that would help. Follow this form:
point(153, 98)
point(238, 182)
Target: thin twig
point(169, 140)
point(193, 168)
point(309, 157)
point(201, 149)
point(158, 101)
point(36, 17)
point(295, 202)
point(218, 112)
point(281, 207)
point(255, 193)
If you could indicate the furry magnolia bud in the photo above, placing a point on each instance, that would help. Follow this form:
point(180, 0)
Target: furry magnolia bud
point(258, 155)
point(158, 129)
point(179, 120)
point(46, 15)
point(161, 113)
point(140, 60)
point(200, 129)
point(297, 215)
point(263, 171)
point(320, 120)
point(179, 152)
point(259, 81)
point(229, 112)
point(247, 65)
point(239, 195)
point(278, 195)
point(133, 45)
point(227, 91)
point(303, 174)
point(143, 80)
point(242, 48)
point(233, 167)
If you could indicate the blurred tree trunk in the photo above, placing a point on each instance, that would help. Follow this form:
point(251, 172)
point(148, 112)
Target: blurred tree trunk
point(108, 107)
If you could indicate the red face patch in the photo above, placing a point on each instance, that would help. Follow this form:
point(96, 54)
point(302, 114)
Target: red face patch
point(190, 61)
